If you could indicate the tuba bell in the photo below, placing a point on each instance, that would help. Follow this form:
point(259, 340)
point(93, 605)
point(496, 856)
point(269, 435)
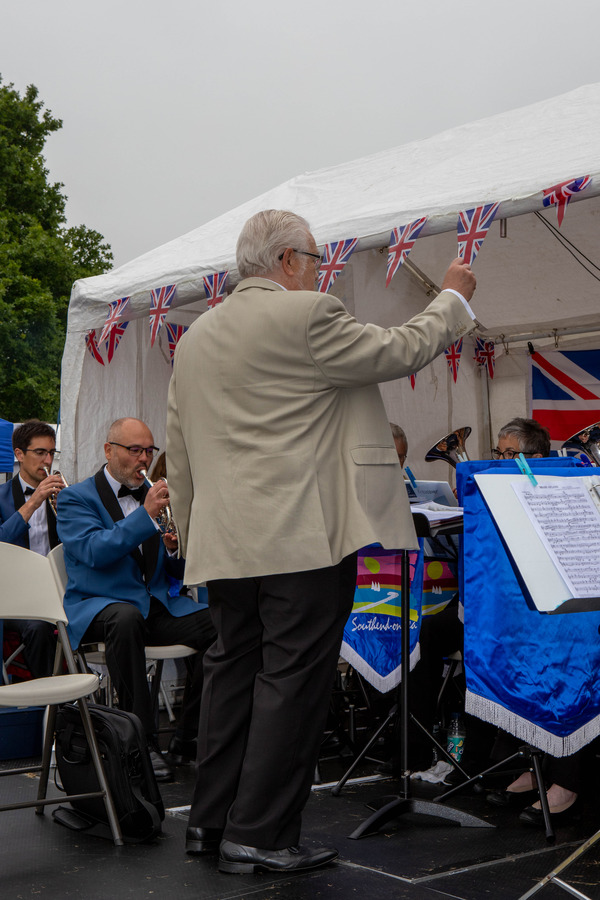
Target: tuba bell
point(585, 442)
point(164, 519)
point(451, 448)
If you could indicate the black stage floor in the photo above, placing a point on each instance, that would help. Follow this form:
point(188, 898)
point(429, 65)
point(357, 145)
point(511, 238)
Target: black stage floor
point(412, 858)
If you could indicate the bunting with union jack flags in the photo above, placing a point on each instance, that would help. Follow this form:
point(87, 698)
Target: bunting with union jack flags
point(453, 353)
point(114, 339)
point(560, 195)
point(214, 288)
point(174, 333)
point(115, 311)
point(335, 256)
point(565, 392)
point(472, 227)
point(92, 344)
point(413, 380)
point(485, 355)
point(402, 240)
point(159, 307)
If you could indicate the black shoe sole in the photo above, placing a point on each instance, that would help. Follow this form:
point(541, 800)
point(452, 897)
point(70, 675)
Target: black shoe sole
point(238, 868)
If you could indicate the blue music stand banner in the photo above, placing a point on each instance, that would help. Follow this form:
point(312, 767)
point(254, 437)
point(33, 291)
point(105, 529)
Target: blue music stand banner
point(531, 673)
point(372, 641)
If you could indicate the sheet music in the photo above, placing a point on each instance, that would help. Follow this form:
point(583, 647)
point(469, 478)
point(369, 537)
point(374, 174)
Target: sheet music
point(567, 522)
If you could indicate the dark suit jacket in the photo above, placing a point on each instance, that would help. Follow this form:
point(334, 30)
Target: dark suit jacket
point(102, 558)
point(13, 527)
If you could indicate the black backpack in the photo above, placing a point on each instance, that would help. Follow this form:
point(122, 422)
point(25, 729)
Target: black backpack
point(124, 752)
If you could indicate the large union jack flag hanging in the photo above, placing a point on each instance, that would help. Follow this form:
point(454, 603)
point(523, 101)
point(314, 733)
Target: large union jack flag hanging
point(159, 307)
point(565, 392)
point(174, 333)
point(453, 357)
point(214, 288)
point(335, 256)
point(485, 355)
point(114, 339)
point(402, 240)
point(92, 344)
point(560, 195)
point(115, 311)
point(472, 227)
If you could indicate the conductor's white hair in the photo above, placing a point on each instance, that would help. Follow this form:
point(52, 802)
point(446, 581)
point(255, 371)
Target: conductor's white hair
point(265, 236)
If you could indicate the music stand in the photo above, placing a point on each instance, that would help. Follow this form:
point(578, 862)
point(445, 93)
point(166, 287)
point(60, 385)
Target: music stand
point(399, 804)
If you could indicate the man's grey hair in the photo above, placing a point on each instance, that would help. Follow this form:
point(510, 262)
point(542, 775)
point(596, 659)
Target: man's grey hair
point(265, 236)
point(398, 433)
point(531, 436)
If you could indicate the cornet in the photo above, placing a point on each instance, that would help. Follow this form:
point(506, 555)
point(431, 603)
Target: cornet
point(52, 497)
point(451, 448)
point(164, 519)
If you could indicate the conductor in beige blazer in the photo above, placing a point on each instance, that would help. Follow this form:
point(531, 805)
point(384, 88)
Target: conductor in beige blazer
point(281, 465)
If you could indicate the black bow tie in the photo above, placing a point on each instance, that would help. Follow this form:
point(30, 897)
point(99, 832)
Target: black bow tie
point(28, 491)
point(136, 493)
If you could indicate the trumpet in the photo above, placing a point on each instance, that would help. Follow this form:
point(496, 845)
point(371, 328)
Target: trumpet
point(52, 497)
point(164, 520)
point(585, 443)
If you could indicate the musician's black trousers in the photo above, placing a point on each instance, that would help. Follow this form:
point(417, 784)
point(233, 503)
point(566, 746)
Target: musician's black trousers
point(267, 683)
point(126, 633)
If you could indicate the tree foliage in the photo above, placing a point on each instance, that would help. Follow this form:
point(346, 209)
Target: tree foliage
point(40, 258)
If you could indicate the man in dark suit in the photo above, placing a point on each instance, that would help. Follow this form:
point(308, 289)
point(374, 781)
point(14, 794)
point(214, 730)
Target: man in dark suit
point(118, 589)
point(27, 520)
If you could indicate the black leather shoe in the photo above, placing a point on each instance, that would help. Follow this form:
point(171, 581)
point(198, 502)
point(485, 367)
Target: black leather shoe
point(162, 770)
point(181, 751)
point(510, 798)
point(535, 817)
point(202, 840)
point(239, 859)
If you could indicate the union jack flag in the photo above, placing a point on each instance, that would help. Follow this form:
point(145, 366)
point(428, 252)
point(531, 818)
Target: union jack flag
point(485, 355)
point(114, 338)
point(214, 288)
point(473, 225)
point(174, 333)
point(402, 241)
point(159, 307)
point(413, 380)
point(453, 357)
point(335, 256)
point(565, 392)
point(92, 344)
point(560, 194)
point(115, 311)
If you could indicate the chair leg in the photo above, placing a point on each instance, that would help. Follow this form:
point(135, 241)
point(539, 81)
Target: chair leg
point(46, 756)
point(155, 688)
point(108, 800)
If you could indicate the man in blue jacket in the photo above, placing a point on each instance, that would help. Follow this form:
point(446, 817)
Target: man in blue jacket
point(27, 520)
point(118, 590)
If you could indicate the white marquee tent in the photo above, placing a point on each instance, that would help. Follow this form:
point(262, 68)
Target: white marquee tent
point(534, 282)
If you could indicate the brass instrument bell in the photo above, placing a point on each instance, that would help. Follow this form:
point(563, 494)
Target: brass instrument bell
point(451, 448)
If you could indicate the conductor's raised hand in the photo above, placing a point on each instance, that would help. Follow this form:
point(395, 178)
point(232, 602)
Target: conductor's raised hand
point(459, 277)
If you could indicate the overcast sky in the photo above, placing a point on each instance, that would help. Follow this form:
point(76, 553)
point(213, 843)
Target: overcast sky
point(175, 112)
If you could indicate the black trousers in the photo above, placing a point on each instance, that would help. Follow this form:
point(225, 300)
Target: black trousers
point(126, 633)
point(267, 683)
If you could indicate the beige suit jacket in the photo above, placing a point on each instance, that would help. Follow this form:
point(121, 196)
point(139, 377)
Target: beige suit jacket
point(279, 452)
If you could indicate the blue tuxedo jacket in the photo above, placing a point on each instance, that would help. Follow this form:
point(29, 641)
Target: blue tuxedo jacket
point(13, 527)
point(103, 562)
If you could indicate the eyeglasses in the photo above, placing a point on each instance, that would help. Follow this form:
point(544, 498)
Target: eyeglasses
point(40, 452)
point(508, 454)
point(316, 256)
point(137, 451)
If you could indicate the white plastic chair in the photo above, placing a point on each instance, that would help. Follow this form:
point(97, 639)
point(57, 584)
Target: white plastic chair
point(28, 590)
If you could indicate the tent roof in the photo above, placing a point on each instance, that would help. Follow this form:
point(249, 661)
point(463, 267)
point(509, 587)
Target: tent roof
point(511, 157)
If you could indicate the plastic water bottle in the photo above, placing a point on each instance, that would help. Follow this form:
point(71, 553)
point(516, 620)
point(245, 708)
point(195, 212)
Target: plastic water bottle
point(456, 737)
